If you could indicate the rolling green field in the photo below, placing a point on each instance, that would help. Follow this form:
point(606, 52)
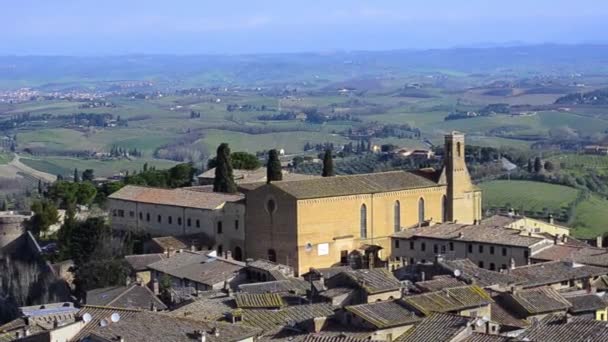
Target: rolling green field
point(66, 166)
point(527, 195)
point(591, 217)
point(578, 162)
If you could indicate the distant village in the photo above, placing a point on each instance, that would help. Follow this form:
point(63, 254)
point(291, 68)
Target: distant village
point(272, 255)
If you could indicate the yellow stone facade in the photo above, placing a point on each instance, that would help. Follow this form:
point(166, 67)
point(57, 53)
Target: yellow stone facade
point(321, 232)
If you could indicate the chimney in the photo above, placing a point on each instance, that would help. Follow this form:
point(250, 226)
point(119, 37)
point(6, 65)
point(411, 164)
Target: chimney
point(193, 245)
point(512, 263)
point(550, 219)
point(120, 338)
point(599, 241)
point(156, 287)
point(170, 252)
point(229, 254)
point(422, 276)
point(372, 260)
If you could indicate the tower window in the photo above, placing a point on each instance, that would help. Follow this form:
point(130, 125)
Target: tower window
point(363, 227)
point(458, 149)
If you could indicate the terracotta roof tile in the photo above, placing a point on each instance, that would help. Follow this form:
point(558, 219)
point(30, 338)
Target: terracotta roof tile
point(175, 197)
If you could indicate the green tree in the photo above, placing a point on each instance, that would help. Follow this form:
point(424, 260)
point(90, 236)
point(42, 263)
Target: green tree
point(273, 167)
point(538, 165)
point(328, 164)
point(98, 273)
point(530, 166)
point(3, 205)
point(85, 193)
point(76, 176)
point(240, 161)
point(88, 175)
point(224, 179)
point(45, 215)
point(549, 166)
point(180, 175)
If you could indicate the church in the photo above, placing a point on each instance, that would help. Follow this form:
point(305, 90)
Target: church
point(342, 220)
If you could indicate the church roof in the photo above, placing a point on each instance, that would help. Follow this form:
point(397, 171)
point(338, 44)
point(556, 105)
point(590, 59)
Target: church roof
point(354, 184)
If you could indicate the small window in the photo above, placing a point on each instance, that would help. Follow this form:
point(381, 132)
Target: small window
point(503, 266)
point(170, 219)
point(131, 214)
point(491, 249)
point(121, 213)
point(481, 264)
point(141, 215)
point(219, 227)
point(396, 243)
point(114, 212)
point(189, 222)
point(435, 249)
point(272, 255)
point(451, 246)
point(198, 223)
point(343, 257)
point(236, 224)
point(526, 254)
point(480, 248)
point(423, 246)
point(148, 217)
point(159, 219)
point(504, 251)
point(470, 248)
point(412, 261)
point(492, 267)
point(363, 223)
point(179, 221)
point(412, 245)
point(442, 248)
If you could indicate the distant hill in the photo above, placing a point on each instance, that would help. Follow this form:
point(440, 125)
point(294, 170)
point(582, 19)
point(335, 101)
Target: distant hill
point(596, 97)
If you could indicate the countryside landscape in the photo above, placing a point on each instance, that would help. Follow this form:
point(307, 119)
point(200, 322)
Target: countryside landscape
point(515, 104)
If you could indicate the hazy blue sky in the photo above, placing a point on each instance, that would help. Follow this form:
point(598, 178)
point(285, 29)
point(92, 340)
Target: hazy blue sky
point(89, 27)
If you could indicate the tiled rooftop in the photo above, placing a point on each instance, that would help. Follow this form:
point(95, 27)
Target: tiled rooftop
point(385, 314)
point(210, 305)
point(555, 272)
point(554, 329)
point(448, 300)
point(491, 231)
point(129, 297)
point(353, 184)
point(290, 285)
point(436, 327)
point(258, 300)
point(175, 197)
point(540, 300)
point(584, 303)
point(271, 320)
point(140, 262)
point(148, 326)
point(480, 276)
point(439, 283)
point(374, 280)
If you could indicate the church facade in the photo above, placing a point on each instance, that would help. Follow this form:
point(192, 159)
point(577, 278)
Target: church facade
point(323, 222)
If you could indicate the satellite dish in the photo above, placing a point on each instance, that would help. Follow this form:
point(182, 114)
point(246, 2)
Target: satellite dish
point(308, 247)
point(457, 273)
point(115, 317)
point(87, 317)
point(103, 323)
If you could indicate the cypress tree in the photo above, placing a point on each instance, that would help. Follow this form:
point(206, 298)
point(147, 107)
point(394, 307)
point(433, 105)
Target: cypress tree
point(224, 179)
point(328, 164)
point(76, 177)
point(273, 167)
point(530, 166)
point(538, 165)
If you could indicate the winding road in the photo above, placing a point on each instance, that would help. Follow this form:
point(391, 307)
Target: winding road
point(19, 166)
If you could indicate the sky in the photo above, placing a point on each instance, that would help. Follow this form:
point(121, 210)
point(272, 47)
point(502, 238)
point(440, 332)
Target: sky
point(113, 27)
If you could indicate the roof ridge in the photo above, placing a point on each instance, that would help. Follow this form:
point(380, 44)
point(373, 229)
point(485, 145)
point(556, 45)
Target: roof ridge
point(111, 308)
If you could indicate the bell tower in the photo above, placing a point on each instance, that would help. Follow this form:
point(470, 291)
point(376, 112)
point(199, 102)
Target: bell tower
point(463, 197)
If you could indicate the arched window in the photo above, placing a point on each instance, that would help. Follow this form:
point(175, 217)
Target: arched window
point(363, 221)
point(397, 215)
point(238, 254)
point(421, 210)
point(458, 149)
point(444, 208)
point(272, 255)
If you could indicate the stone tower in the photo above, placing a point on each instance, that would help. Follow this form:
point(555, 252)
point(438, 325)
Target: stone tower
point(463, 197)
